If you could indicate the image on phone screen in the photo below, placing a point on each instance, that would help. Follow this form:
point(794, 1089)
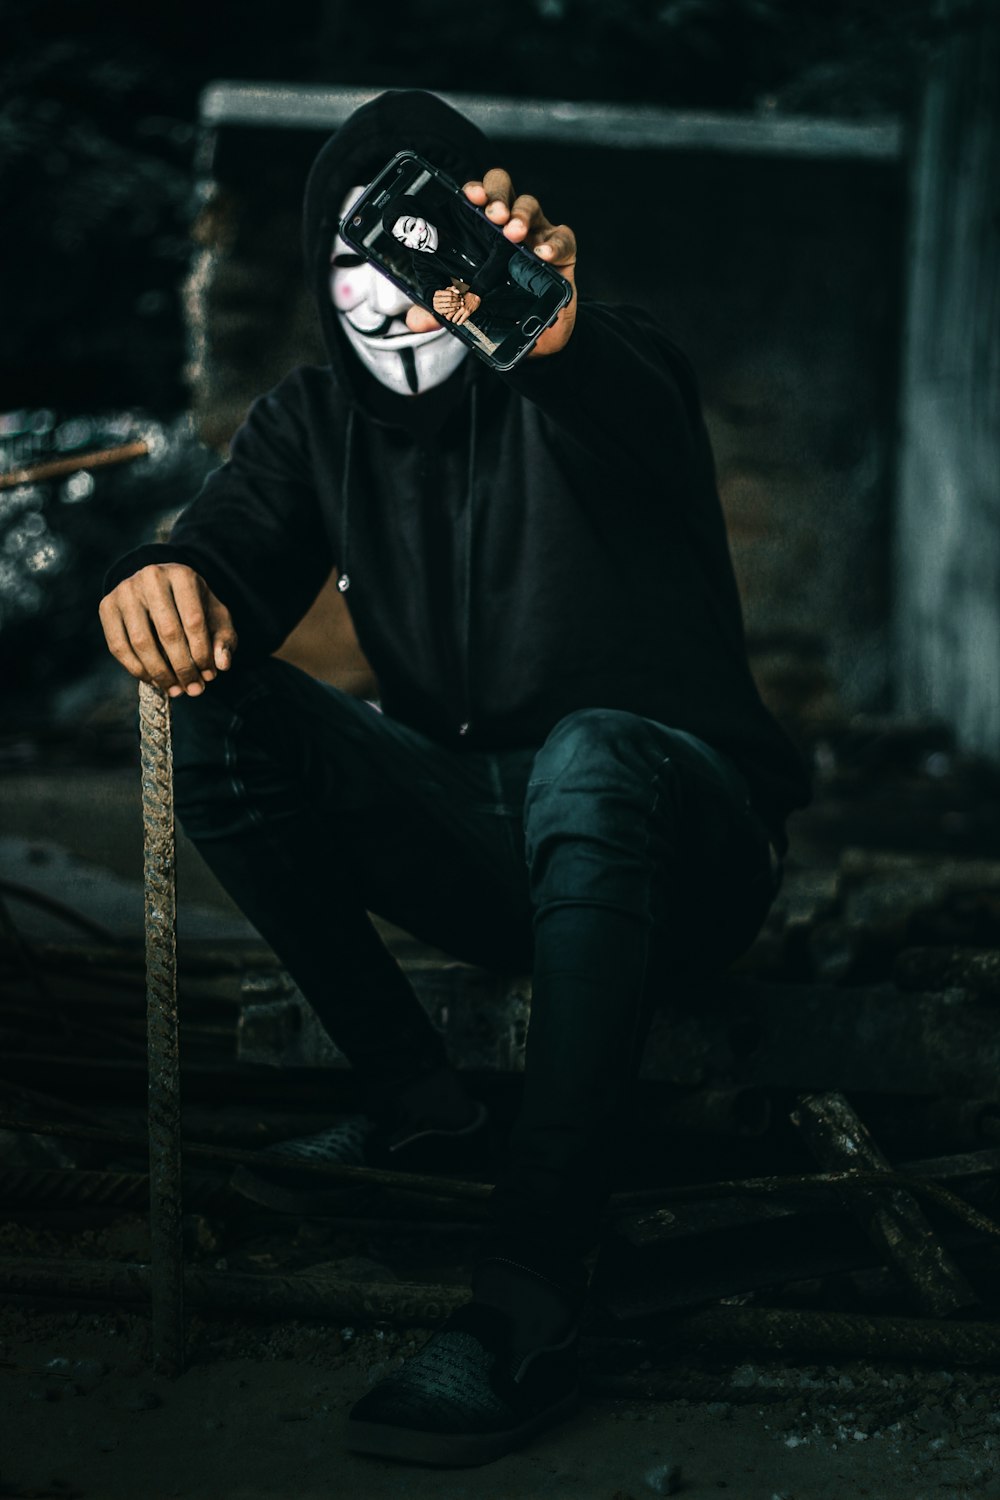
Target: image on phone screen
point(422, 231)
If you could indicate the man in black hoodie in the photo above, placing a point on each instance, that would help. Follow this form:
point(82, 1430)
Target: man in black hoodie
point(570, 768)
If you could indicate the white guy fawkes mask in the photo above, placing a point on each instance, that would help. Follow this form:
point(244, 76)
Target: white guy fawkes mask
point(372, 313)
point(416, 233)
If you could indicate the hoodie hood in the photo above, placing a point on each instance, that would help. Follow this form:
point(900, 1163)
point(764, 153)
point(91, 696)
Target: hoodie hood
point(398, 120)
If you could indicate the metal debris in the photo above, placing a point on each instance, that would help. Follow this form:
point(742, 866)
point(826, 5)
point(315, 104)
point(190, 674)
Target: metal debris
point(894, 1222)
point(408, 1182)
point(307, 1294)
point(56, 467)
point(311, 1294)
point(695, 1212)
point(159, 870)
point(845, 1335)
point(48, 1188)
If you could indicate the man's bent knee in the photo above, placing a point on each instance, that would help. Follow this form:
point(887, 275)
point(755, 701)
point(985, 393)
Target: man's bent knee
point(589, 808)
point(592, 745)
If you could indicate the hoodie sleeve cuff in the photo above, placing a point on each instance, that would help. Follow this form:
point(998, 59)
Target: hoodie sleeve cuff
point(532, 377)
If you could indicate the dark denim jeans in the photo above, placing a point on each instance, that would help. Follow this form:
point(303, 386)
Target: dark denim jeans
point(606, 861)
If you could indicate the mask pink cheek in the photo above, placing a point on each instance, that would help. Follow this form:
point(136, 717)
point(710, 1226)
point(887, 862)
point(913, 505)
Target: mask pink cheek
point(344, 294)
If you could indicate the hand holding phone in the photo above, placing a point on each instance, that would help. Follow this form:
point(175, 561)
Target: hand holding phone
point(523, 222)
point(470, 270)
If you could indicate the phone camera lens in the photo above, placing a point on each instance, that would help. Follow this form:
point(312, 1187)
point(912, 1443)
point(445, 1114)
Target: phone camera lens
point(356, 219)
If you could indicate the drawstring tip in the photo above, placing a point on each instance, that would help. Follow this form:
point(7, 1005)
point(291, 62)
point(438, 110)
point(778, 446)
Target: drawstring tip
point(343, 583)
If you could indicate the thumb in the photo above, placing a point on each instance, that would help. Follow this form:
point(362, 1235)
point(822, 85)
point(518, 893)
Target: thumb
point(224, 637)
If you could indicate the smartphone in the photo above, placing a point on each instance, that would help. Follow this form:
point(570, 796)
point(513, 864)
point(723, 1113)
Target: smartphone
point(414, 223)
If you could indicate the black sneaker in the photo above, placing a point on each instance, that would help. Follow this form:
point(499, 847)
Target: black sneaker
point(359, 1141)
point(470, 1395)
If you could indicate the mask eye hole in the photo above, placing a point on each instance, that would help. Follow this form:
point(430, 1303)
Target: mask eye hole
point(345, 261)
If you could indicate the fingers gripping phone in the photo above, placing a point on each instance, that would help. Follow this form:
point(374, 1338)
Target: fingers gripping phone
point(416, 226)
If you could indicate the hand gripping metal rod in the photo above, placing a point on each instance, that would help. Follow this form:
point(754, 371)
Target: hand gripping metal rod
point(166, 1278)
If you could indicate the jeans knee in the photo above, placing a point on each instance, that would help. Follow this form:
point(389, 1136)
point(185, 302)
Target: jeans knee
point(589, 739)
point(590, 797)
point(593, 751)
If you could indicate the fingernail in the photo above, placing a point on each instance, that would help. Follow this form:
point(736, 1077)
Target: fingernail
point(194, 688)
point(545, 251)
point(208, 673)
point(174, 692)
point(496, 207)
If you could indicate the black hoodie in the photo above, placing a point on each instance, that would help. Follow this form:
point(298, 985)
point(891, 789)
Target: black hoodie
point(512, 547)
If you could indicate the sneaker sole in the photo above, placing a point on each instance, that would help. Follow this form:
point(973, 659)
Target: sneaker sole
point(453, 1449)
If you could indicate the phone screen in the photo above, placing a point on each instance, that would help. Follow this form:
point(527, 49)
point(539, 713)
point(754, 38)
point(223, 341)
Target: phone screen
point(418, 227)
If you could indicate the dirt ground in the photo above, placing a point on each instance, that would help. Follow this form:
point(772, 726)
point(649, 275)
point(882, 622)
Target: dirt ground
point(260, 1410)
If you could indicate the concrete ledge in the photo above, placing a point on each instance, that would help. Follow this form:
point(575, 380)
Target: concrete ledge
point(305, 107)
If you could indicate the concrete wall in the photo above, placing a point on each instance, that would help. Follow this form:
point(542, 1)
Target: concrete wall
point(947, 546)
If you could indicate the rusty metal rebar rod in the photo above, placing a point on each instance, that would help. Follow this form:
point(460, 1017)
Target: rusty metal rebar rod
point(166, 1279)
point(313, 1294)
point(334, 1172)
point(848, 1335)
point(845, 1181)
point(448, 1188)
point(307, 1294)
point(894, 1221)
point(44, 1188)
point(693, 1213)
point(54, 468)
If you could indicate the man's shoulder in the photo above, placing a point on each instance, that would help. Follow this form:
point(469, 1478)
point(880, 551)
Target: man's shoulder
point(305, 401)
point(302, 394)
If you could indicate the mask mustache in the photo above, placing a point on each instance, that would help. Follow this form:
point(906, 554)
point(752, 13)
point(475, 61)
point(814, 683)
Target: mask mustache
point(381, 330)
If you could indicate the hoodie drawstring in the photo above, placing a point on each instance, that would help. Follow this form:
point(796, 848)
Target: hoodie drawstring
point(470, 490)
point(344, 580)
